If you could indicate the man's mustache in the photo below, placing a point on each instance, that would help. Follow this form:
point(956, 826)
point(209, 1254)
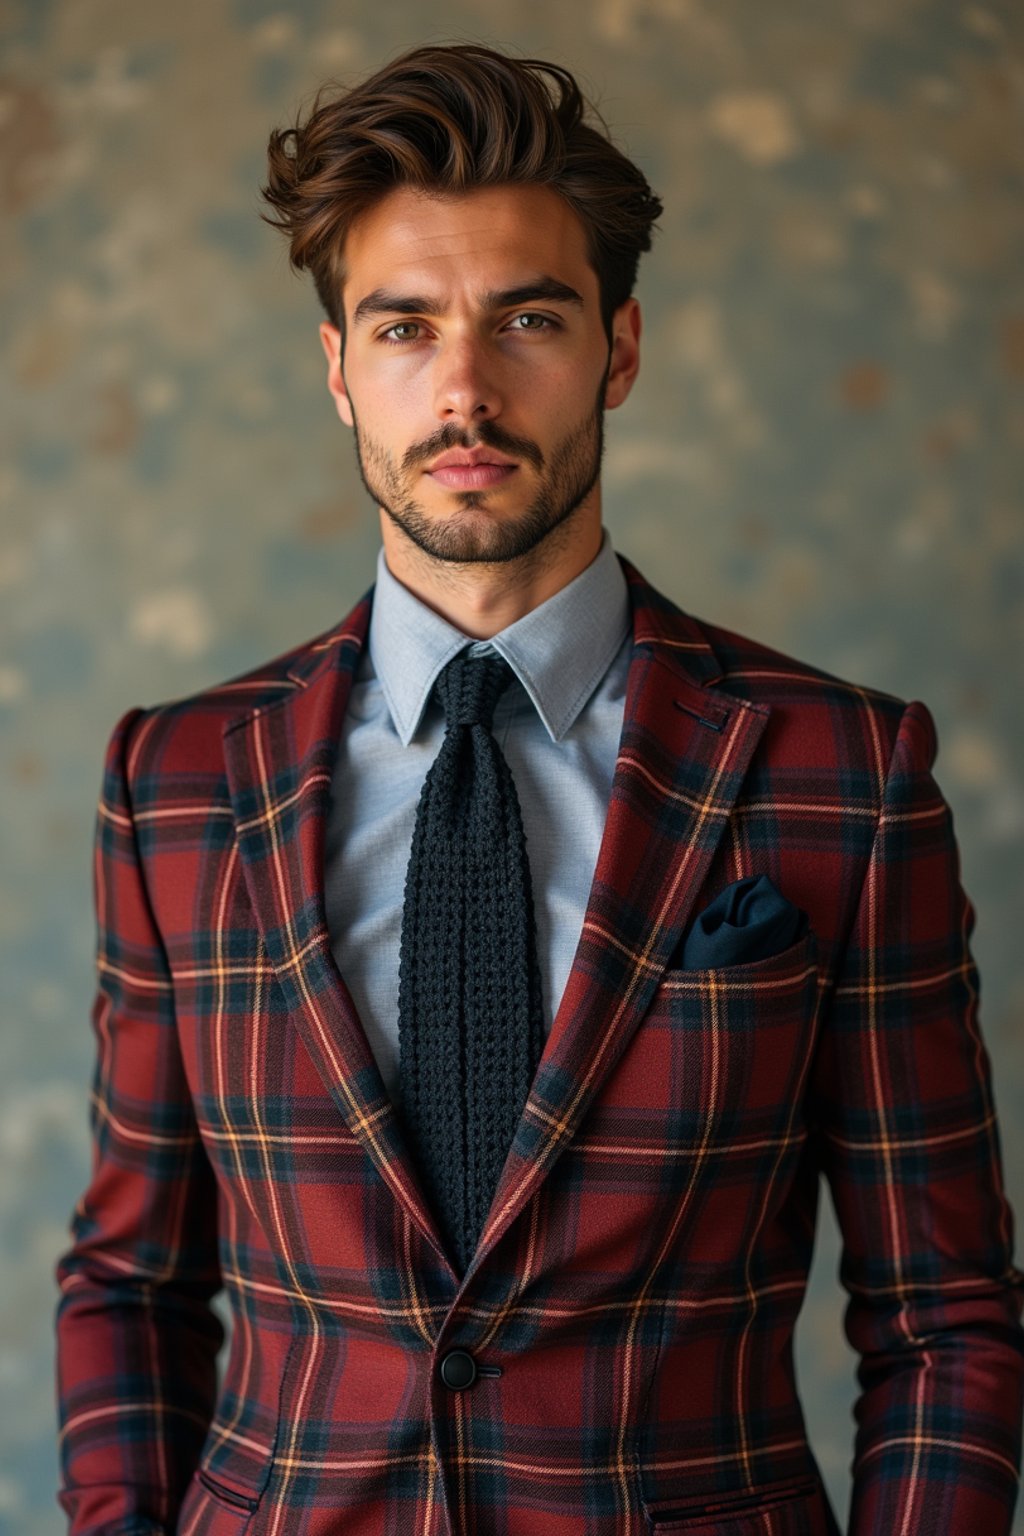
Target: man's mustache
point(488, 436)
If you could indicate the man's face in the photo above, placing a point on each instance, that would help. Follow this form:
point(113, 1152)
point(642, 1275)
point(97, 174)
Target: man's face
point(474, 330)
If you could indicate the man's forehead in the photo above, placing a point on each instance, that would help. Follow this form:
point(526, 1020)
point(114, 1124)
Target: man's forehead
point(509, 202)
point(415, 236)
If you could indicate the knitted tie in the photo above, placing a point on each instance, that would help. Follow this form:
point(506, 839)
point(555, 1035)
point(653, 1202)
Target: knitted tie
point(470, 1027)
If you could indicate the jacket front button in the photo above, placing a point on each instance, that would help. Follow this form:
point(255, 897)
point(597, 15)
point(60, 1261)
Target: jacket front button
point(458, 1370)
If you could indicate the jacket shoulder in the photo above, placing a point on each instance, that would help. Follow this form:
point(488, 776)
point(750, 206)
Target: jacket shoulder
point(760, 672)
point(745, 667)
point(846, 718)
point(184, 734)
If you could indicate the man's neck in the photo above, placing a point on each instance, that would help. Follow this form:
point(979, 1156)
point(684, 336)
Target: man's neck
point(482, 598)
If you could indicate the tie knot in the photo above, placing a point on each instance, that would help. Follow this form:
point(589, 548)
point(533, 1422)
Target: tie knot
point(469, 688)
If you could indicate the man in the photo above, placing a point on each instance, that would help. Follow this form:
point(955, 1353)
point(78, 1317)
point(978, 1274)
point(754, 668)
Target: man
point(485, 983)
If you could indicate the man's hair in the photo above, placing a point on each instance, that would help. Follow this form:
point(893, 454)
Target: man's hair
point(450, 119)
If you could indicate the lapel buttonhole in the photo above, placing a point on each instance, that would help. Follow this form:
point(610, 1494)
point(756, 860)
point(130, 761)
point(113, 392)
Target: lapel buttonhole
point(713, 723)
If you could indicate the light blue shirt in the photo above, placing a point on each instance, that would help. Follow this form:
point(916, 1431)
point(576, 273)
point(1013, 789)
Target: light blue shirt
point(558, 724)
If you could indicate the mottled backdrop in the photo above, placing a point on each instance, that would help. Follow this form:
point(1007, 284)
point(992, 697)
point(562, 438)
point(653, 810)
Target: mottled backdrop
point(824, 450)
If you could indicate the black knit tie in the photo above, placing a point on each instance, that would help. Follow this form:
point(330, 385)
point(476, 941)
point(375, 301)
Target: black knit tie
point(470, 1027)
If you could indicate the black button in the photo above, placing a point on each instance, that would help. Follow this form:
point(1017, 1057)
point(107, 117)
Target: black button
point(458, 1370)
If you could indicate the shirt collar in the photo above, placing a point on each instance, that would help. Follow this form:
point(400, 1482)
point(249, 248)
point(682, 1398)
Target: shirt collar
point(559, 651)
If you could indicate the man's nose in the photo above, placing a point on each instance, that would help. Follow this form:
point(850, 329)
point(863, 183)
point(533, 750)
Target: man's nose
point(466, 386)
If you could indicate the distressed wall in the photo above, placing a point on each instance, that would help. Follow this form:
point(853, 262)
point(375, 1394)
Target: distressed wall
point(824, 450)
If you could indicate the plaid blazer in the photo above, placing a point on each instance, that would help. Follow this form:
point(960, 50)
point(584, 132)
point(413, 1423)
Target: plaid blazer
point(630, 1306)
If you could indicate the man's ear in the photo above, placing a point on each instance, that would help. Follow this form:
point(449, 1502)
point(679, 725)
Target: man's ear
point(330, 336)
point(624, 364)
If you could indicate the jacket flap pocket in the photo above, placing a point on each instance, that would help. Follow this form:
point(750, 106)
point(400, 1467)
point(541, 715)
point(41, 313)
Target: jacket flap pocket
point(794, 1504)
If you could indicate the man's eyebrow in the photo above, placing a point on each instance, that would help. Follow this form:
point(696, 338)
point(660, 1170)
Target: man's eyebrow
point(548, 288)
point(384, 301)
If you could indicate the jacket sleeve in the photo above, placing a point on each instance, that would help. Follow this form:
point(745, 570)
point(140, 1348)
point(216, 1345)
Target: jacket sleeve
point(911, 1152)
point(137, 1339)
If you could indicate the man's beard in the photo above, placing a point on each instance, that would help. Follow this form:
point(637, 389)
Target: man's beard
point(573, 471)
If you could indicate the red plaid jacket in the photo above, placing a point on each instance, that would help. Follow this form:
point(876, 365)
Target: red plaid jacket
point(631, 1304)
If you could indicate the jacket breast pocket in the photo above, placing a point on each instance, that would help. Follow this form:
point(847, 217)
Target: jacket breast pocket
point(721, 1054)
point(704, 1105)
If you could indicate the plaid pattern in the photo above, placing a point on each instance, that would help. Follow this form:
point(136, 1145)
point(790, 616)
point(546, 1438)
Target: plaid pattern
point(644, 1260)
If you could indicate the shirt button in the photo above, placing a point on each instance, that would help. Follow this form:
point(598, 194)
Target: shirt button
point(458, 1370)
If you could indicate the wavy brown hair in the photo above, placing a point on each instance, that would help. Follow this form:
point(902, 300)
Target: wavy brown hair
point(451, 118)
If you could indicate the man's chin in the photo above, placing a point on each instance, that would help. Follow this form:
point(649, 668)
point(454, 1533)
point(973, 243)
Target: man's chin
point(474, 531)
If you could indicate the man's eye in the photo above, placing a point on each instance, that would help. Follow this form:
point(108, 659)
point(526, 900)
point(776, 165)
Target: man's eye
point(400, 325)
point(542, 322)
point(404, 331)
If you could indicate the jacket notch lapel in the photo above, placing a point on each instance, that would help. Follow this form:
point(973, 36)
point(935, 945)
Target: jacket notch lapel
point(280, 759)
point(683, 755)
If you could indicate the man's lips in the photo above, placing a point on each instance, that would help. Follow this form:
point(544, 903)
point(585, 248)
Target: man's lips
point(471, 477)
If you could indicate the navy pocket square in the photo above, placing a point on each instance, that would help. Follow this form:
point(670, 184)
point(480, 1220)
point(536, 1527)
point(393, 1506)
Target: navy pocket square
point(749, 920)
